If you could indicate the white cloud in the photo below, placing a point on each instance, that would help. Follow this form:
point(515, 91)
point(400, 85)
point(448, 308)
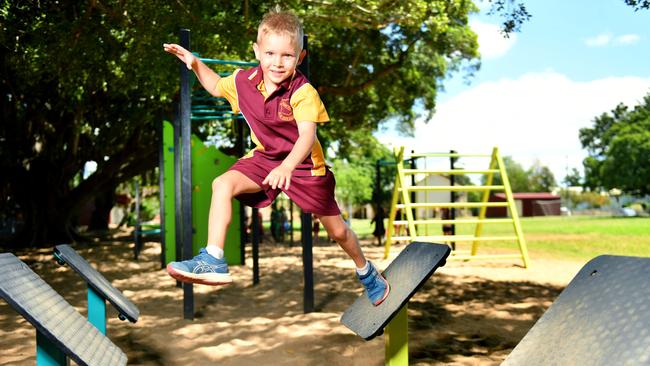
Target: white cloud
point(605, 39)
point(628, 39)
point(600, 40)
point(492, 43)
point(534, 117)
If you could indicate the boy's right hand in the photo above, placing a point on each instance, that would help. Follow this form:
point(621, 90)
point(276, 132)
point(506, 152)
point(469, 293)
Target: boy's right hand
point(184, 55)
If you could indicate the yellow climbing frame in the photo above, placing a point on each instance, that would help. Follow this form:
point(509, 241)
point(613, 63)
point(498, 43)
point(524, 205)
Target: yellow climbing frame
point(401, 200)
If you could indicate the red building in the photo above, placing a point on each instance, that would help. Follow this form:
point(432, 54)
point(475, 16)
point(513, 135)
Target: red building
point(528, 204)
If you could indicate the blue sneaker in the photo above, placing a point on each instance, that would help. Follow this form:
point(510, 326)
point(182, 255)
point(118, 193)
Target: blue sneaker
point(203, 269)
point(377, 288)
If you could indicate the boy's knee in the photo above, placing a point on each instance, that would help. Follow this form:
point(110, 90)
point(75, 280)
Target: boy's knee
point(221, 183)
point(341, 234)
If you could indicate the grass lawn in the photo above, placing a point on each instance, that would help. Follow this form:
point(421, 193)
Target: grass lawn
point(559, 237)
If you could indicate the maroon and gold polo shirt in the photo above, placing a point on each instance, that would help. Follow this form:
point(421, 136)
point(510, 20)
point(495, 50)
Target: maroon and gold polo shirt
point(273, 118)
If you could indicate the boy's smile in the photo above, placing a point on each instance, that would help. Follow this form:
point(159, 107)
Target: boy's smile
point(278, 57)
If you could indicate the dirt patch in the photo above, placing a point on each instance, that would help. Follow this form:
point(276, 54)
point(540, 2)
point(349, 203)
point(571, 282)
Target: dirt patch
point(469, 313)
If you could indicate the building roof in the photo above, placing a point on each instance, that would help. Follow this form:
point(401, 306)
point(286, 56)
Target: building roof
point(530, 196)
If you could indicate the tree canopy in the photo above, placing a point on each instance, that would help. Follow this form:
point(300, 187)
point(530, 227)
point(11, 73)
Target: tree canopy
point(88, 81)
point(618, 147)
point(537, 178)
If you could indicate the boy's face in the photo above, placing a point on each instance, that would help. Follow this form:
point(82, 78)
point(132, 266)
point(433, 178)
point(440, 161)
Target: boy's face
point(278, 55)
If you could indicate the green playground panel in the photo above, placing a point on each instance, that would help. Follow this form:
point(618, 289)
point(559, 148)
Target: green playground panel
point(207, 163)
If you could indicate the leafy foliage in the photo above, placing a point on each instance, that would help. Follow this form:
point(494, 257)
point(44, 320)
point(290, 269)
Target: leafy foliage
point(618, 147)
point(89, 82)
point(537, 178)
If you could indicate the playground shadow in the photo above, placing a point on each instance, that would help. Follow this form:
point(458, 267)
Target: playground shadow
point(453, 319)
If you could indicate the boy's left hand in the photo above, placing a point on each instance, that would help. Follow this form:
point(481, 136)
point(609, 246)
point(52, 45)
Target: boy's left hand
point(279, 177)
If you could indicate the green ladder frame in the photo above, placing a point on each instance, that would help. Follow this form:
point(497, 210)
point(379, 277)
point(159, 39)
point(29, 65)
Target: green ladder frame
point(401, 199)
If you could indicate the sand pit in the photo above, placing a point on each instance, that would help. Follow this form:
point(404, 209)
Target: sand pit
point(469, 313)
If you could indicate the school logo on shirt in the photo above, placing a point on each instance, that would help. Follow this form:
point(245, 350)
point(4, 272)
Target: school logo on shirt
point(285, 112)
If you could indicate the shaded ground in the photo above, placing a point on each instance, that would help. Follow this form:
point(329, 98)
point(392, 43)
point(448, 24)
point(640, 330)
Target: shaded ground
point(469, 313)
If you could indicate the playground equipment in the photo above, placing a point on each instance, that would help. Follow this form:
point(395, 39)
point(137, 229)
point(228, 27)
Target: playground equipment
point(99, 289)
point(185, 216)
point(600, 318)
point(403, 199)
point(61, 332)
point(406, 274)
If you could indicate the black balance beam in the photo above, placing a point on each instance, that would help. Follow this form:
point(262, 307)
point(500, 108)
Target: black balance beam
point(55, 320)
point(601, 318)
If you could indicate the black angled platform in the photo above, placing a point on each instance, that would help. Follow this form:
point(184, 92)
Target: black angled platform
point(406, 274)
point(601, 318)
point(98, 282)
point(53, 317)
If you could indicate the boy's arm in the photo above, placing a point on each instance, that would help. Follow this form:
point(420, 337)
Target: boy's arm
point(207, 77)
point(281, 176)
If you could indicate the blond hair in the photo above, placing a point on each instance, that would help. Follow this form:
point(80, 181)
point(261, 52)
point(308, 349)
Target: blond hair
point(281, 22)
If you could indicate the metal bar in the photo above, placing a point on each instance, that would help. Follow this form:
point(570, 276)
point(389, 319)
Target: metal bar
point(396, 340)
point(513, 211)
point(483, 257)
point(446, 155)
point(448, 238)
point(305, 221)
point(454, 221)
point(493, 168)
point(449, 171)
point(161, 191)
point(186, 174)
point(138, 229)
point(96, 310)
point(226, 62)
point(307, 262)
point(452, 193)
point(455, 188)
point(393, 204)
point(414, 212)
point(178, 218)
point(455, 204)
point(255, 243)
point(243, 220)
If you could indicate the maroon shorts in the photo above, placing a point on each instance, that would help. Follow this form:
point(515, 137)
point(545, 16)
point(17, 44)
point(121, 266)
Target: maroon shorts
point(313, 194)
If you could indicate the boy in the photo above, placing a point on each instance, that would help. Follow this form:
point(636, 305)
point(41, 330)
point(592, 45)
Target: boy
point(282, 110)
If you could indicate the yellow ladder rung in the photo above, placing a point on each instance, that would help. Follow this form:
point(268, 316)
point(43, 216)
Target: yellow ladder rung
point(453, 188)
point(452, 204)
point(401, 238)
point(449, 171)
point(456, 221)
point(449, 238)
point(445, 155)
point(483, 256)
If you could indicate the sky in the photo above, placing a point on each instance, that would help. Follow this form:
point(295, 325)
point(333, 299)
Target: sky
point(571, 62)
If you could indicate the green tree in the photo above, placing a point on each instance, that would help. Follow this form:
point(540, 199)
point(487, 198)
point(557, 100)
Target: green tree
point(89, 82)
point(517, 176)
point(573, 179)
point(540, 178)
point(618, 147)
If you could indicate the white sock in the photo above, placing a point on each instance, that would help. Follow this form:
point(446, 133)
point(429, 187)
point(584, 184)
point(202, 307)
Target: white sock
point(214, 251)
point(364, 271)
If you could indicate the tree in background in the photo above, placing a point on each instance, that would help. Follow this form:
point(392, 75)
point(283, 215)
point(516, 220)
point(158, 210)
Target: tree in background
point(573, 178)
point(540, 178)
point(618, 147)
point(87, 81)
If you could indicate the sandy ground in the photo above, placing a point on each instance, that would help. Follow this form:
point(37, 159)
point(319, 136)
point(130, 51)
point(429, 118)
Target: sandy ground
point(468, 313)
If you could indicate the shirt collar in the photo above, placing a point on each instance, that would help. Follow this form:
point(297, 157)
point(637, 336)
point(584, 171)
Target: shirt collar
point(257, 78)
